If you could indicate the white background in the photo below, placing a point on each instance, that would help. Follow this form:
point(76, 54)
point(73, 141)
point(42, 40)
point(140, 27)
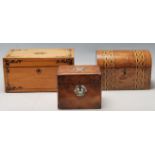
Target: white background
point(91, 132)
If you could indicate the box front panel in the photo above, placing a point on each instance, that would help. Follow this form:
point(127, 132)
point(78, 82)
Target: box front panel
point(32, 75)
point(79, 92)
point(31, 79)
point(118, 79)
point(126, 78)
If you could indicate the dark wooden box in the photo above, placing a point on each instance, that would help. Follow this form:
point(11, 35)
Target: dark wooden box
point(125, 69)
point(34, 70)
point(79, 87)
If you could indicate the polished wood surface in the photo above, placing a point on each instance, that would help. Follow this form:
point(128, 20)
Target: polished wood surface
point(41, 53)
point(81, 69)
point(125, 69)
point(34, 70)
point(69, 77)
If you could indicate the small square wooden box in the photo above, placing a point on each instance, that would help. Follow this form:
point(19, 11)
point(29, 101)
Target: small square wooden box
point(79, 87)
point(125, 69)
point(34, 70)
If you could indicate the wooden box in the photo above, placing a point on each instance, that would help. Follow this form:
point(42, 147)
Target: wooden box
point(79, 87)
point(34, 70)
point(125, 69)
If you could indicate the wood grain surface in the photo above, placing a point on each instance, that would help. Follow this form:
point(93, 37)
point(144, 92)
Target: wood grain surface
point(69, 77)
point(34, 70)
point(125, 69)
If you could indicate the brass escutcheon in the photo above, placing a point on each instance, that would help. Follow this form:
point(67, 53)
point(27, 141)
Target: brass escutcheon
point(80, 90)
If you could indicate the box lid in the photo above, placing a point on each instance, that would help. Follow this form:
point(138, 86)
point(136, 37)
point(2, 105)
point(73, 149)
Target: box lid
point(124, 58)
point(79, 70)
point(39, 57)
point(40, 53)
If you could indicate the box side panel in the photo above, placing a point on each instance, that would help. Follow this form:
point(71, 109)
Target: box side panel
point(147, 79)
point(5, 71)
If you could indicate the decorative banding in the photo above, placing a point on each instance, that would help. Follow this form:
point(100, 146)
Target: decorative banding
point(108, 63)
point(140, 72)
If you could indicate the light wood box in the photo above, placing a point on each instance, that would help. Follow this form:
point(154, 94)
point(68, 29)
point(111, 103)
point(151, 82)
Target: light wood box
point(34, 70)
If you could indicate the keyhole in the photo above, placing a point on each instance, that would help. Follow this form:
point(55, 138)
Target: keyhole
point(124, 71)
point(38, 71)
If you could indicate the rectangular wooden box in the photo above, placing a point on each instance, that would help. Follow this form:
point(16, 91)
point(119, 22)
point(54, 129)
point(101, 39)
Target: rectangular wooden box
point(79, 87)
point(125, 69)
point(34, 70)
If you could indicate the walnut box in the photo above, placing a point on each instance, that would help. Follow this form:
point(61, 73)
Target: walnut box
point(79, 87)
point(34, 70)
point(125, 69)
